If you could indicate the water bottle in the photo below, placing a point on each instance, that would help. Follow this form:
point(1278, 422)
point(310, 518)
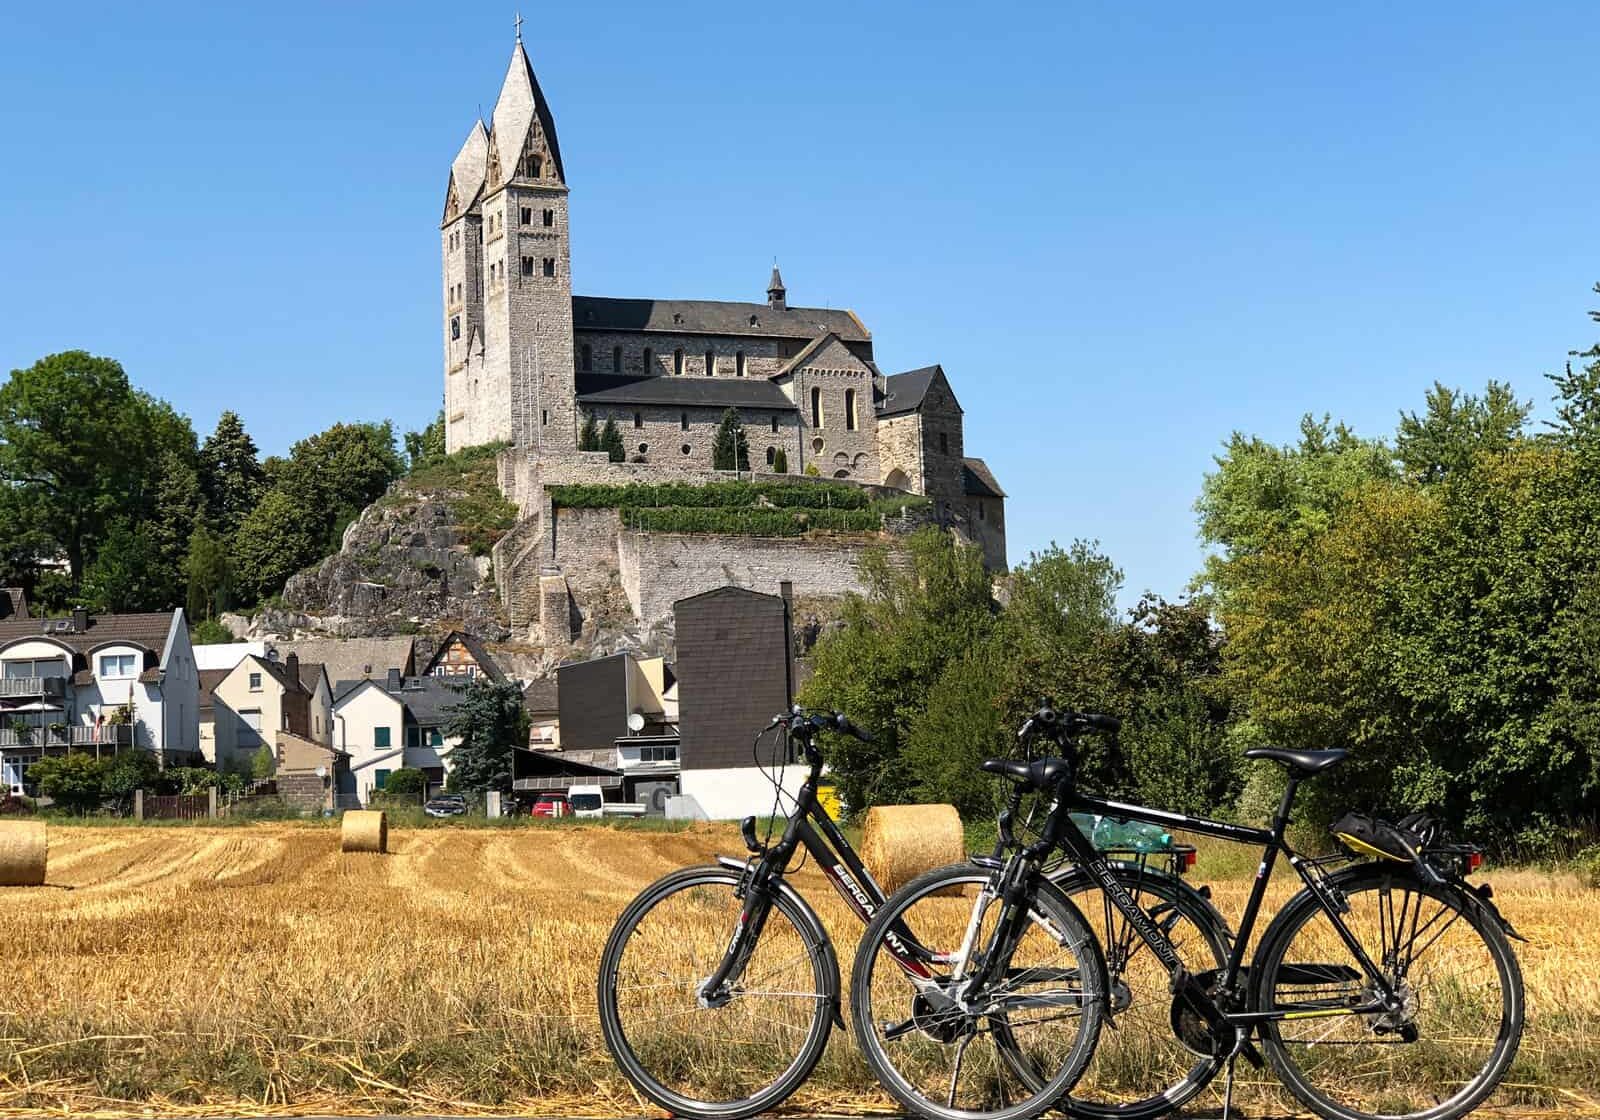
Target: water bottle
point(1087, 823)
point(1135, 836)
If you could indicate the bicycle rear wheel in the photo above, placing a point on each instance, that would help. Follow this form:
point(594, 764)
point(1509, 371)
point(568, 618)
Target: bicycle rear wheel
point(947, 1056)
point(741, 1056)
point(1435, 1058)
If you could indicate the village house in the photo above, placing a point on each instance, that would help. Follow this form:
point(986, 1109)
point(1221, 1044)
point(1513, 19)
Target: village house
point(462, 655)
point(384, 725)
point(261, 698)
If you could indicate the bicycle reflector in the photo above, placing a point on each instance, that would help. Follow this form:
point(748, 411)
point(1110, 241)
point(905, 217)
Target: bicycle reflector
point(1474, 861)
point(1190, 858)
point(747, 829)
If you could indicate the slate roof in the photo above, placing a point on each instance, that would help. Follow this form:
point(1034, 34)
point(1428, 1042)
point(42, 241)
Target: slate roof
point(13, 603)
point(428, 699)
point(146, 630)
point(352, 659)
point(688, 392)
point(209, 679)
point(978, 480)
point(520, 101)
point(310, 672)
point(541, 697)
point(469, 165)
point(707, 316)
point(903, 392)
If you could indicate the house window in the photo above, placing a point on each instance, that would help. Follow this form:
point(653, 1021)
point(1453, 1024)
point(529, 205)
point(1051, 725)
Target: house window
point(527, 266)
point(588, 358)
point(435, 738)
point(616, 359)
point(850, 410)
point(638, 420)
point(816, 408)
point(380, 737)
point(250, 731)
point(455, 326)
point(683, 421)
point(116, 666)
point(255, 682)
point(527, 215)
point(677, 363)
point(944, 443)
point(549, 266)
point(738, 364)
point(549, 218)
point(380, 778)
point(711, 363)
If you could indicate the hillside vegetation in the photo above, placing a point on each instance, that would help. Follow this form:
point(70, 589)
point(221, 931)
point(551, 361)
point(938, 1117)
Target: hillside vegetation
point(779, 509)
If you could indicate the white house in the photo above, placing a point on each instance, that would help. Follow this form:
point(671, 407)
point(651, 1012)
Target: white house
point(96, 683)
point(399, 721)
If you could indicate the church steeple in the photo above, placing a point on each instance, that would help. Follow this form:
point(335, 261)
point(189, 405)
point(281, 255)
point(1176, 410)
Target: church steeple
point(524, 130)
point(777, 296)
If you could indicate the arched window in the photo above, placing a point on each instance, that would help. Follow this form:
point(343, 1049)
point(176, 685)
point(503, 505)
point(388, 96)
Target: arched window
point(738, 364)
point(683, 421)
point(816, 408)
point(455, 327)
point(711, 363)
point(772, 455)
point(677, 362)
point(588, 358)
point(850, 409)
point(638, 420)
point(841, 474)
point(649, 360)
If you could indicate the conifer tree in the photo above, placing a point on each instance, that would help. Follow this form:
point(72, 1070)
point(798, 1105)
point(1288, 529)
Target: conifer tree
point(611, 442)
point(730, 450)
point(588, 436)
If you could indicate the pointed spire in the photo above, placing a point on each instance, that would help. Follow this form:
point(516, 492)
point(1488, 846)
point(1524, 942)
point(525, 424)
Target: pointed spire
point(777, 296)
point(467, 170)
point(520, 105)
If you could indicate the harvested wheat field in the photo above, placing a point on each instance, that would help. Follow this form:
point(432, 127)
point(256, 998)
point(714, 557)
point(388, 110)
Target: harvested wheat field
point(259, 968)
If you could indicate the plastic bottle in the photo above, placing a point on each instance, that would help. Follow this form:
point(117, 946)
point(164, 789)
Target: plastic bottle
point(1087, 823)
point(1133, 836)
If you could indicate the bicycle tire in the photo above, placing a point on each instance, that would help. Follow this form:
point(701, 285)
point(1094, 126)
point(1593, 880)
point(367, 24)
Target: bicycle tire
point(676, 1099)
point(1268, 976)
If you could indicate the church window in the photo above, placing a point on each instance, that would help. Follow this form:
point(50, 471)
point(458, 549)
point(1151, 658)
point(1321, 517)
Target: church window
point(644, 449)
point(711, 364)
point(738, 364)
point(588, 358)
point(772, 455)
point(677, 363)
point(850, 409)
point(549, 218)
point(685, 449)
point(455, 327)
point(841, 474)
point(774, 421)
point(683, 421)
point(649, 360)
point(527, 215)
point(816, 408)
point(527, 266)
point(549, 266)
point(535, 166)
point(638, 420)
point(944, 443)
point(544, 416)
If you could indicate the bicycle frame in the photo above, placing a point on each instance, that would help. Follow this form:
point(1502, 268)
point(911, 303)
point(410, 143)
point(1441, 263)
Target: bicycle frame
point(1272, 842)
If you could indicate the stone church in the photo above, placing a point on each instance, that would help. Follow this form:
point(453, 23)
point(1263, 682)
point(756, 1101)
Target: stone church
point(526, 361)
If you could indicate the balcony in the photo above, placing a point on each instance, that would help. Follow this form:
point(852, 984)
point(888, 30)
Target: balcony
point(32, 688)
point(104, 736)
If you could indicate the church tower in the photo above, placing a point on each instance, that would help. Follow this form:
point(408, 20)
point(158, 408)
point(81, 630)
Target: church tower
point(508, 279)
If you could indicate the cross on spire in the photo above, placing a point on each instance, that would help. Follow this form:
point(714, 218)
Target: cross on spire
point(519, 27)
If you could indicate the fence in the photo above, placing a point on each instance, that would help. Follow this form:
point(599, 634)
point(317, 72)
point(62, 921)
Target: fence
point(175, 807)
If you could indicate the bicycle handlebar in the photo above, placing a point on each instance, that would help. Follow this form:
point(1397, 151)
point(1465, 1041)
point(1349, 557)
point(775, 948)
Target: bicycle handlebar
point(806, 724)
point(1058, 724)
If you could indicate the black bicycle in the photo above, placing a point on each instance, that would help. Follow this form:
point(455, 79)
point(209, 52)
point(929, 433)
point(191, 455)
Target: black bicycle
point(1382, 988)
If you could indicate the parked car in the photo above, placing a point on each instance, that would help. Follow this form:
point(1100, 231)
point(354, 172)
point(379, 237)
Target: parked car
point(586, 801)
point(550, 805)
point(446, 805)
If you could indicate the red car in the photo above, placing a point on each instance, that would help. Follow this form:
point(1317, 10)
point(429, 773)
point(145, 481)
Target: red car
point(550, 805)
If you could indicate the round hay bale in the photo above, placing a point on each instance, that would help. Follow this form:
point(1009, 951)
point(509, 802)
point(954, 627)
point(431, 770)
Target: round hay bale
point(22, 853)
point(900, 842)
point(364, 830)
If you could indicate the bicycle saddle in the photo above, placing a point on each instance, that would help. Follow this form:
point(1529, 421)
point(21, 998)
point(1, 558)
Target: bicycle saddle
point(1042, 773)
point(1303, 763)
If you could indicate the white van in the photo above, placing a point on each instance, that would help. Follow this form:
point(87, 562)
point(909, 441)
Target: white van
point(586, 801)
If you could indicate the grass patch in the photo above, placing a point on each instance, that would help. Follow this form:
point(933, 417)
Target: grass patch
point(468, 481)
point(767, 509)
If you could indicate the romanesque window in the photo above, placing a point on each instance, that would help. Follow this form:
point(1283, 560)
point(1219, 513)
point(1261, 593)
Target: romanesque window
point(455, 327)
point(774, 422)
point(944, 443)
point(677, 363)
point(544, 416)
point(850, 410)
point(527, 266)
point(841, 474)
point(549, 218)
point(649, 360)
point(527, 215)
point(816, 408)
point(616, 359)
point(772, 455)
point(683, 421)
point(533, 166)
point(738, 364)
point(549, 266)
point(711, 363)
point(638, 422)
point(588, 358)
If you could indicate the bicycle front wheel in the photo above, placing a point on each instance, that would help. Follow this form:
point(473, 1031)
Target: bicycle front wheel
point(1007, 1052)
point(1437, 1055)
point(727, 1058)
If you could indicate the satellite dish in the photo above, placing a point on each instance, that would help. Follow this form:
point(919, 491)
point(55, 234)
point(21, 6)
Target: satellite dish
point(322, 771)
point(635, 722)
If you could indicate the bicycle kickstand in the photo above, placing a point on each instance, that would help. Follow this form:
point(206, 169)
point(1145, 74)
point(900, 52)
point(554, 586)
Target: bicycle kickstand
point(1227, 1090)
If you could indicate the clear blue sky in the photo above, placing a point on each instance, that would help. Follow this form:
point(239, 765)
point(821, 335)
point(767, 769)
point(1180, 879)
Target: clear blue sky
point(1125, 230)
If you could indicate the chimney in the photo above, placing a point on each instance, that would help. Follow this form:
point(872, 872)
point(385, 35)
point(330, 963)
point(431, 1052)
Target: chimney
point(80, 620)
point(394, 680)
point(292, 664)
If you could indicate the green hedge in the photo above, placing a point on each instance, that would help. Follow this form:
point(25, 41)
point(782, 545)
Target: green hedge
point(713, 495)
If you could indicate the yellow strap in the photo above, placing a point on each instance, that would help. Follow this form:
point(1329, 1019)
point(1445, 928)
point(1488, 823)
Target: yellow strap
point(1367, 849)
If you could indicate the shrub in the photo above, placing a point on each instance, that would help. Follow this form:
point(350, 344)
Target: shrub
point(129, 771)
point(263, 765)
point(780, 462)
point(75, 782)
point(405, 786)
point(1587, 864)
point(208, 631)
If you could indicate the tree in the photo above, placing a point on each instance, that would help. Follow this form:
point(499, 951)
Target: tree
point(611, 441)
point(780, 462)
point(490, 722)
point(589, 434)
point(231, 478)
point(263, 764)
point(76, 782)
point(405, 786)
point(730, 450)
point(209, 572)
point(126, 573)
point(209, 632)
point(428, 445)
point(126, 772)
point(278, 538)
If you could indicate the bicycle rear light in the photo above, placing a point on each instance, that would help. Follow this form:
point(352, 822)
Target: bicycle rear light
point(1474, 861)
